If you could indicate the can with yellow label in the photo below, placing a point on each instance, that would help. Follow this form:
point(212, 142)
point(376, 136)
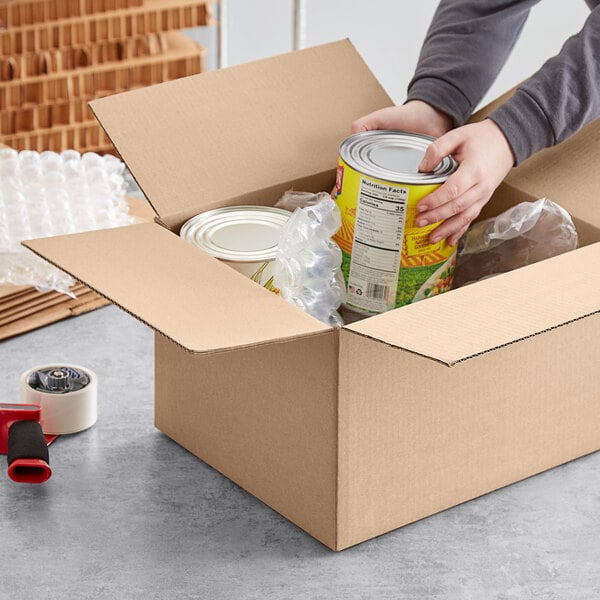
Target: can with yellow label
point(387, 260)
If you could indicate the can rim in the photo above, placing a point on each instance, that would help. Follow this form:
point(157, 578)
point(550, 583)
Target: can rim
point(356, 152)
point(200, 229)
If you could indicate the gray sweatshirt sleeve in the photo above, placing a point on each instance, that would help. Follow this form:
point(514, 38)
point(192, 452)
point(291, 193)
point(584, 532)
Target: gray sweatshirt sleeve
point(467, 45)
point(558, 100)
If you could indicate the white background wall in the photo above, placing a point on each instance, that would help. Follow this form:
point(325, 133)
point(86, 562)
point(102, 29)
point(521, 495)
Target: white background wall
point(388, 34)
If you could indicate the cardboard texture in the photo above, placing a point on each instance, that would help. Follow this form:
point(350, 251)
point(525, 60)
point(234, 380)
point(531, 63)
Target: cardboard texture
point(34, 64)
point(92, 80)
point(266, 418)
point(150, 17)
point(348, 432)
point(15, 13)
point(417, 437)
point(26, 304)
point(54, 307)
point(56, 56)
point(50, 111)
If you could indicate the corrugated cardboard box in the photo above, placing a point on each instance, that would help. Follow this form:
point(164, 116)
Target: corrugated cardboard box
point(349, 432)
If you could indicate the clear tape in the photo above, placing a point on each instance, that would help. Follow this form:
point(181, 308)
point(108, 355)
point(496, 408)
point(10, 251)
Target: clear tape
point(63, 413)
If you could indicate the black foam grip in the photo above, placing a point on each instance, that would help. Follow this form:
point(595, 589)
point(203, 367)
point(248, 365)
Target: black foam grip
point(26, 440)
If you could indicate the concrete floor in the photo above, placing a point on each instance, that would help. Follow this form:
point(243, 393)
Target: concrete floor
point(130, 514)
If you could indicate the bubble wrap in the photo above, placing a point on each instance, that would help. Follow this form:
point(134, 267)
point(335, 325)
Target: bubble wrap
point(48, 194)
point(307, 267)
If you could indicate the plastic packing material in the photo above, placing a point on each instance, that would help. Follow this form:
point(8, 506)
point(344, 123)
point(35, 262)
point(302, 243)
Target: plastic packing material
point(291, 200)
point(524, 234)
point(48, 194)
point(307, 266)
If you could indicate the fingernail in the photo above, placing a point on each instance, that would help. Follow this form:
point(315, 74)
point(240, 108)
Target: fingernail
point(435, 239)
point(421, 222)
point(422, 207)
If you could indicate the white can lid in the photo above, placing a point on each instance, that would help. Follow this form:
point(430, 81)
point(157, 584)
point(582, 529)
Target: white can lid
point(394, 156)
point(237, 233)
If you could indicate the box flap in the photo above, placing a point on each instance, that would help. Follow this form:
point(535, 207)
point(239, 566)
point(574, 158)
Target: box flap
point(200, 139)
point(567, 174)
point(492, 313)
point(190, 297)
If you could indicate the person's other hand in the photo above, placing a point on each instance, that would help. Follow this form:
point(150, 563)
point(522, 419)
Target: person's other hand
point(415, 115)
point(485, 157)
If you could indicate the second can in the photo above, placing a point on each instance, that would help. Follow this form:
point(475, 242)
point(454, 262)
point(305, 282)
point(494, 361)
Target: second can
point(244, 237)
point(387, 260)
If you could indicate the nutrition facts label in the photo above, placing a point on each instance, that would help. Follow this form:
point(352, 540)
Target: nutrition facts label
point(377, 246)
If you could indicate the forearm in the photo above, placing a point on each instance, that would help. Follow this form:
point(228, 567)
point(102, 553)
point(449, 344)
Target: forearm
point(466, 45)
point(562, 97)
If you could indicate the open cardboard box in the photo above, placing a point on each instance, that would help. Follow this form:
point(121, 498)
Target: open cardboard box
point(348, 432)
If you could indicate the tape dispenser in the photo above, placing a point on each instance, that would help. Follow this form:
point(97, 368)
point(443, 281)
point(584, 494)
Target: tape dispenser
point(56, 400)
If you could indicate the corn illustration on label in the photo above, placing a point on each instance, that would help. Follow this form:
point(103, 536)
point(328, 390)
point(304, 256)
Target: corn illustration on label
point(264, 276)
point(387, 260)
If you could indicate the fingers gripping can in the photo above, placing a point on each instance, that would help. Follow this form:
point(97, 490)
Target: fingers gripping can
point(387, 260)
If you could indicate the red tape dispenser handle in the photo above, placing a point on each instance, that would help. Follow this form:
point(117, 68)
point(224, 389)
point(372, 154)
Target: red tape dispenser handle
point(21, 437)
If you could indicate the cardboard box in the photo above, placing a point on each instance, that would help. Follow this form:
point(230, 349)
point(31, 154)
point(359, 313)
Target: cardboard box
point(349, 432)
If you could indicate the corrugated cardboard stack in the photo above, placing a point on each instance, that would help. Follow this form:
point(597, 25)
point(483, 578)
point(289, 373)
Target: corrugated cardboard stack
point(57, 55)
point(23, 309)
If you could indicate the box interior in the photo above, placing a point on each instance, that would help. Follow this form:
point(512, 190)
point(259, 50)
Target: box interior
point(269, 126)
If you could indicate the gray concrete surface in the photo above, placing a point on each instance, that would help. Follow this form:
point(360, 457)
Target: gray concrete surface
point(130, 514)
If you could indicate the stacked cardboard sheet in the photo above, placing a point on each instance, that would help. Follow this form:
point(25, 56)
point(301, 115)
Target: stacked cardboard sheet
point(57, 55)
point(23, 309)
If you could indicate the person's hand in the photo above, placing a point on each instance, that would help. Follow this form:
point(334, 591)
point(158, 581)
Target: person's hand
point(415, 115)
point(485, 157)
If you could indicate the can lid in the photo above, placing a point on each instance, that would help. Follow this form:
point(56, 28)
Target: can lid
point(237, 233)
point(394, 156)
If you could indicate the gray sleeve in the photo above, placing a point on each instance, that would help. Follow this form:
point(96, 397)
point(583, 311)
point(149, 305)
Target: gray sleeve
point(466, 45)
point(558, 100)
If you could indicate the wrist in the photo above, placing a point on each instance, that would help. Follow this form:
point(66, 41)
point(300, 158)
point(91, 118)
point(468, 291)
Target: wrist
point(439, 122)
point(503, 144)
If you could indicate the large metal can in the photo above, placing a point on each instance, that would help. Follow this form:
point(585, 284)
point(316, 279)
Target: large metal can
point(387, 260)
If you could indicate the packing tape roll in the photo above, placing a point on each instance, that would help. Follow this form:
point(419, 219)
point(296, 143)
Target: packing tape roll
point(63, 412)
